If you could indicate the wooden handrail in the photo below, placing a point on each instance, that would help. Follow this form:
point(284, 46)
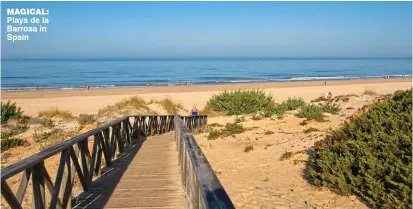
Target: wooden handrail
point(76, 158)
point(203, 188)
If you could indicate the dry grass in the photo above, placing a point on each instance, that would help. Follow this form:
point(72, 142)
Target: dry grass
point(170, 106)
point(211, 113)
point(125, 106)
point(85, 119)
point(54, 112)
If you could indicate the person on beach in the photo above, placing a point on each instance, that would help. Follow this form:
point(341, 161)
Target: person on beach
point(194, 111)
point(37, 88)
point(327, 96)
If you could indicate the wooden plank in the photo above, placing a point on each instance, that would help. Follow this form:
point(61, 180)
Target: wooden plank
point(39, 201)
point(9, 196)
point(50, 187)
point(103, 144)
point(92, 163)
point(24, 181)
point(59, 176)
point(67, 185)
point(78, 169)
point(85, 169)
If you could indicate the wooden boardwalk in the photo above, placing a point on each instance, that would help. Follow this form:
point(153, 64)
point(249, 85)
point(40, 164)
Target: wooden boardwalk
point(146, 175)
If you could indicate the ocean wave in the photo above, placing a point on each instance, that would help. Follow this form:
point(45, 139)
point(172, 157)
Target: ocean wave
point(165, 82)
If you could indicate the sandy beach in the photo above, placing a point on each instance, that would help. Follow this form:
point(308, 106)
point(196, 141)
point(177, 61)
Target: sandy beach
point(254, 179)
point(90, 101)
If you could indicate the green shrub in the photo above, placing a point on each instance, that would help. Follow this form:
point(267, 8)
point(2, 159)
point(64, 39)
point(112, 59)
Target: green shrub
point(332, 108)
point(371, 156)
point(318, 99)
point(233, 128)
point(241, 102)
point(10, 111)
point(7, 143)
point(276, 109)
point(311, 112)
point(13, 131)
point(54, 135)
point(230, 130)
point(293, 103)
point(214, 134)
point(46, 122)
point(84, 119)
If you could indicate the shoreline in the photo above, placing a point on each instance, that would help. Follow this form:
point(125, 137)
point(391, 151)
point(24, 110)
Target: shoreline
point(188, 88)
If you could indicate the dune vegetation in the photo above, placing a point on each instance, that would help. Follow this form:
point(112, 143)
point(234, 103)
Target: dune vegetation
point(370, 156)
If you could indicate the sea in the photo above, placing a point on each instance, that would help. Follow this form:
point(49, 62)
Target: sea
point(27, 74)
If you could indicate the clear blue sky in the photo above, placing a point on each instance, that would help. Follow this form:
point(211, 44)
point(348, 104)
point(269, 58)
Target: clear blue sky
point(217, 29)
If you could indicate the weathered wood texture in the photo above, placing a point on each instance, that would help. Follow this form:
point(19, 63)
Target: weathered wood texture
point(203, 189)
point(145, 176)
point(109, 143)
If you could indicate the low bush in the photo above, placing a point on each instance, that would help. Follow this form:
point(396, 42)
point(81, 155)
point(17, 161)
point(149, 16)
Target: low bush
point(370, 156)
point(230, 130)
point(233, 128)
point(318, 99)
point(276, 109)
point(7, 143)
point(84, 119)
point(214, 134)
point(52, 136)
point(293, 103)
point(332, 108)
point(311, 112)
point(13, 131)
point(10, 111)
point(241, 102)
point(54, 112)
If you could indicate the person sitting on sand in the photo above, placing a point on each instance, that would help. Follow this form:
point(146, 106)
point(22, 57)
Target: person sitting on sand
point(327, 96)
point(194, 111)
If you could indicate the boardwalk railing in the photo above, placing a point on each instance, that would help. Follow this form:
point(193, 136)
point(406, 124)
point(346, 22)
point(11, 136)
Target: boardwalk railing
point(85, 155)
point(203, 189)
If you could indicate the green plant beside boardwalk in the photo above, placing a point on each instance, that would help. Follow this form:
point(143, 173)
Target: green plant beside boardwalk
point(371, 156)
point(10, 111)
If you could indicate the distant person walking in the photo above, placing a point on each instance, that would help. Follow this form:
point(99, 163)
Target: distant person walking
point(37, 88)
point(195, 111)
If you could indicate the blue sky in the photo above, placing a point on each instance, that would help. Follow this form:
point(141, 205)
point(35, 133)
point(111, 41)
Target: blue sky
point(216, 29)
